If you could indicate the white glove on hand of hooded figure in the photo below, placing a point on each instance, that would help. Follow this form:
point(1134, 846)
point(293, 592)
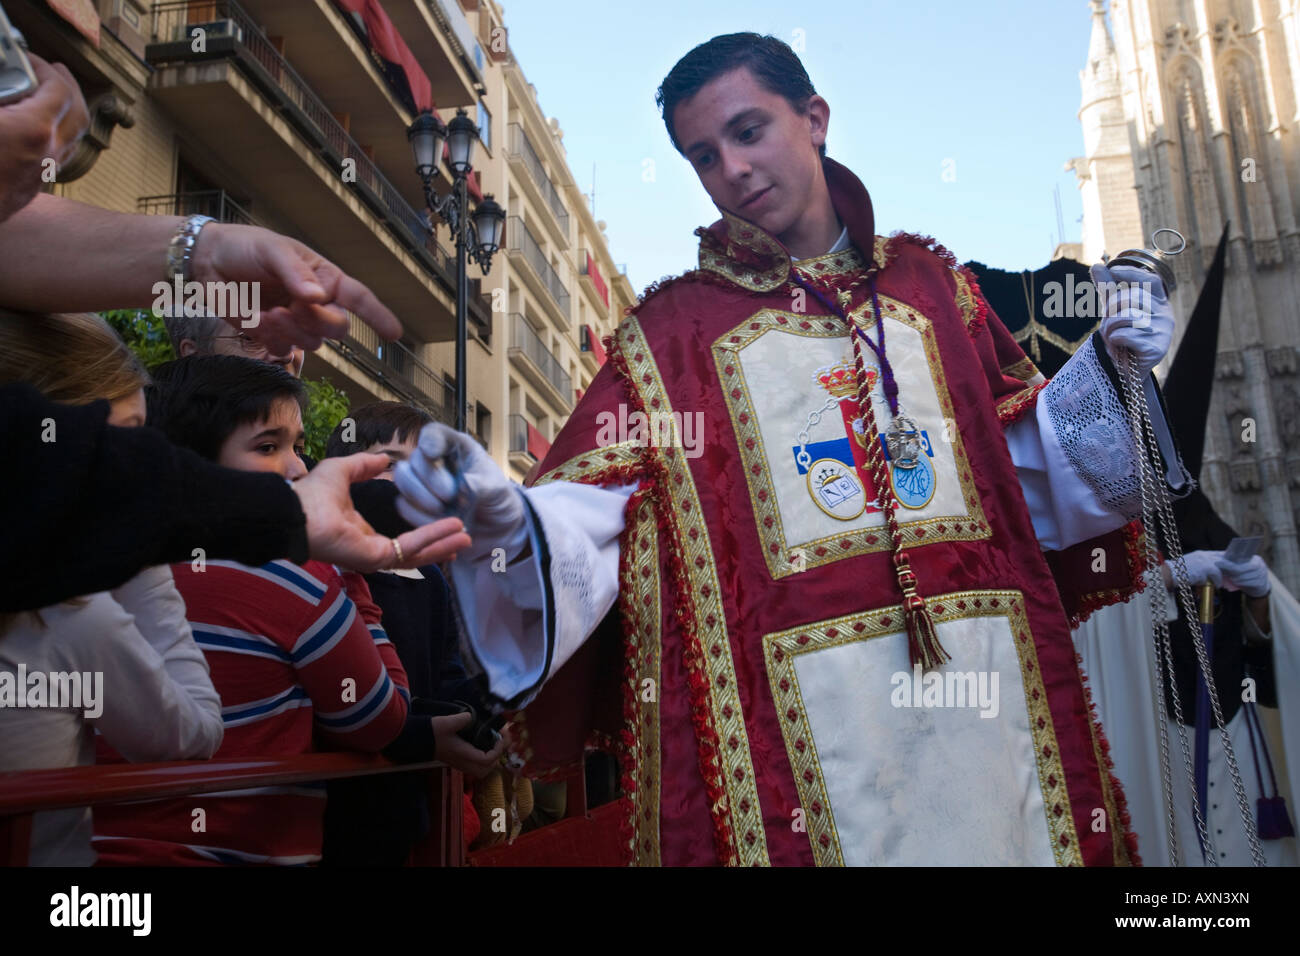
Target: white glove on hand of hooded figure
point(1251, 576)
point(450, 475)
point(1202, 567)
point(1136, 314)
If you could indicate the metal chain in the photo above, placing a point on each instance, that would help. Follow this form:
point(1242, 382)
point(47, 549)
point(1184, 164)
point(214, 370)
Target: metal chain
point(814, 418)
point(1156, 504)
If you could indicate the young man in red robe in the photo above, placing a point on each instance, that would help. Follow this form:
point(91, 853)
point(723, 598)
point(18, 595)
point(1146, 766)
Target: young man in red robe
point(828, 621)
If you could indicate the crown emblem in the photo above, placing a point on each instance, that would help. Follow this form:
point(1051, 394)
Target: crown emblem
point(840, 381)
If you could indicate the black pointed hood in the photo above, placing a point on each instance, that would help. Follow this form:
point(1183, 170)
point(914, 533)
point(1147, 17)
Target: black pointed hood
point(1190, 381)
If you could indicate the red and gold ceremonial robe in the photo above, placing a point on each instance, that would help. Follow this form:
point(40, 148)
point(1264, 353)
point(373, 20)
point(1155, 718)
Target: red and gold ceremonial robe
point(754, 676)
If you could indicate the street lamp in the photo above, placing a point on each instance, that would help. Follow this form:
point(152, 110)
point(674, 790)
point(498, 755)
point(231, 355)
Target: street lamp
point(477, 233)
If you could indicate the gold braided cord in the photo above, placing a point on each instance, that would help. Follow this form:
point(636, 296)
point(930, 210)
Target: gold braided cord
point(1035, 330)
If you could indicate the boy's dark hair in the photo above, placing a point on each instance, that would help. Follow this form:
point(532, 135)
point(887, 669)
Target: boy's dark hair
point(773, 63)
point(199, 401)
point(377, 424)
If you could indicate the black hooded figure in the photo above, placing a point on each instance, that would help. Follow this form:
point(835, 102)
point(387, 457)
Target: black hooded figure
point(1187, 396)
point(1238, 650)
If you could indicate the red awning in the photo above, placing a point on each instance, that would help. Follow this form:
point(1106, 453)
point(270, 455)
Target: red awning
point(597, 349)
point(593, 271)
point(388, 43)
point(81, 14)
point(537, 445)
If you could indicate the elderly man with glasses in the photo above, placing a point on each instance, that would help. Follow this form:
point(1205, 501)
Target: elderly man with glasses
point(206, 335)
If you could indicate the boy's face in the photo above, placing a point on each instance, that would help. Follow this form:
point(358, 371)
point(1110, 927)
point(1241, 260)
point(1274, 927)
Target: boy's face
point(757, 158)
point(271, 445)
point(396, 451)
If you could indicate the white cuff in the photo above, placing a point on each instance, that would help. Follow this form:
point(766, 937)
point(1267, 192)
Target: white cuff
point(522, 622)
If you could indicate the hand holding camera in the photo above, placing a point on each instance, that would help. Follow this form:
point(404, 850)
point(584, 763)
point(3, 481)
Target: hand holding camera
point(42, 118)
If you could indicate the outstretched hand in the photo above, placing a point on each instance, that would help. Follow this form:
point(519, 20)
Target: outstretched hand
point(304, 297)
point(336, 532)
point(449, 473)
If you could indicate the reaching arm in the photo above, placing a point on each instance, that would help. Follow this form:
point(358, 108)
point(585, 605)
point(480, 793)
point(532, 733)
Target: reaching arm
point(63, 256)
point(91, 505)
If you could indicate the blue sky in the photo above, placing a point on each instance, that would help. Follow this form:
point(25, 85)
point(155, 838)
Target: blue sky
point(993, 87)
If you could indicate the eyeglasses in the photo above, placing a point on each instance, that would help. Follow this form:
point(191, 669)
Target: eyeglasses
point(247, 343)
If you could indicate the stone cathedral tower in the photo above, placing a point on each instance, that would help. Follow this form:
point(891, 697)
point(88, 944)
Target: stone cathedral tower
point(1191, 118)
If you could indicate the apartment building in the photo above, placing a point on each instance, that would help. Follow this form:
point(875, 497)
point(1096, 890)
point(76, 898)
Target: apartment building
point(284, 114)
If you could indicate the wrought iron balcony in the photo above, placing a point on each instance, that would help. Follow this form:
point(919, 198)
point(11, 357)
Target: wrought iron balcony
point(519, 146)
point(520, 240)
point(526, 343)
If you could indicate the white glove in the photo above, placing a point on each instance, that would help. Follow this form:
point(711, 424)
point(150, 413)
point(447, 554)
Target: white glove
point(1135, 315)
point(1202, 566)
point(1251, 576)
point(450, 475)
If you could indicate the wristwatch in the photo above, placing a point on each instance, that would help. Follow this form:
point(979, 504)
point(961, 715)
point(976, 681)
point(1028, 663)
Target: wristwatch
point(181, 248)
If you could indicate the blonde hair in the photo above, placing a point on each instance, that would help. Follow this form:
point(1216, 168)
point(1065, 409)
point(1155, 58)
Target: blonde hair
point(74, 358)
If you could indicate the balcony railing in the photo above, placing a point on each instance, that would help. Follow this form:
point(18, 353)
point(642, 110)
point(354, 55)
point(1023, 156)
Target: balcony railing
point(518, 435)
point(525, 439)
point(524, 340)
point(520, 239)
point(210, 202)
point(396, 367)
point(228, 28)
point(521, 146)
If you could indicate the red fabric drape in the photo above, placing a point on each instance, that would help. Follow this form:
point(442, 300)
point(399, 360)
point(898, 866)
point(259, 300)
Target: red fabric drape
point(388, 43)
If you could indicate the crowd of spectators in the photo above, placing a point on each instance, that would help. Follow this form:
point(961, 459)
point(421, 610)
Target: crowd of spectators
point(168, 541)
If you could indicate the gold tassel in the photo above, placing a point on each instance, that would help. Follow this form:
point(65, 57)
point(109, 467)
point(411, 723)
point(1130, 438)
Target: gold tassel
point(923, 645)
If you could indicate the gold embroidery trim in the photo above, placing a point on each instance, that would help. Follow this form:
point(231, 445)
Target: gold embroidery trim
point(743, 809)
point(782, 647)
point(644, 639)
point(965, 298)
point(1024, 370)
point(1114, 825)
point(590, 465)
point(832, 263)
point(762, 494)
point(1013, 405)
point(846, 261)
point(747, 236)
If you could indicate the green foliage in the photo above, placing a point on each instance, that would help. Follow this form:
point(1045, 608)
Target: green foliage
point(146, 336)
point(326, 407)
point(144, 333)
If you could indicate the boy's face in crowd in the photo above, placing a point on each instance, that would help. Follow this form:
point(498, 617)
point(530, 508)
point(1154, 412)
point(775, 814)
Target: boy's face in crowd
point(128, 411)
point(757, 158)
point(274, 444)
point(396, 451)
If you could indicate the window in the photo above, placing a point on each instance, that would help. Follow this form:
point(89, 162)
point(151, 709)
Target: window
point(483, 425)
point(484, 125)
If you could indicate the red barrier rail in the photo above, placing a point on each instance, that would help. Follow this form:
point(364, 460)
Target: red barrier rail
point(27, 792)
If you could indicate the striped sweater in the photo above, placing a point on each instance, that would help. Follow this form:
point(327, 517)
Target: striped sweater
point(294, 650)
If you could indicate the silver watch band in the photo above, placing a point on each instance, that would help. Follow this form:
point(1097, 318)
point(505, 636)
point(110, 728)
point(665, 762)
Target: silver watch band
point(181, 248)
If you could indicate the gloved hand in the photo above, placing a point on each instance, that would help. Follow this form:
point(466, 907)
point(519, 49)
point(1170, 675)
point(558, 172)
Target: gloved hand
point(1136, 314)
point(449, 474)
point(1202, 566)
point(1250, 576)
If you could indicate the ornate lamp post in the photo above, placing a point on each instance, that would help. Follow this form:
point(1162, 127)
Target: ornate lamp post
point(477, 233)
